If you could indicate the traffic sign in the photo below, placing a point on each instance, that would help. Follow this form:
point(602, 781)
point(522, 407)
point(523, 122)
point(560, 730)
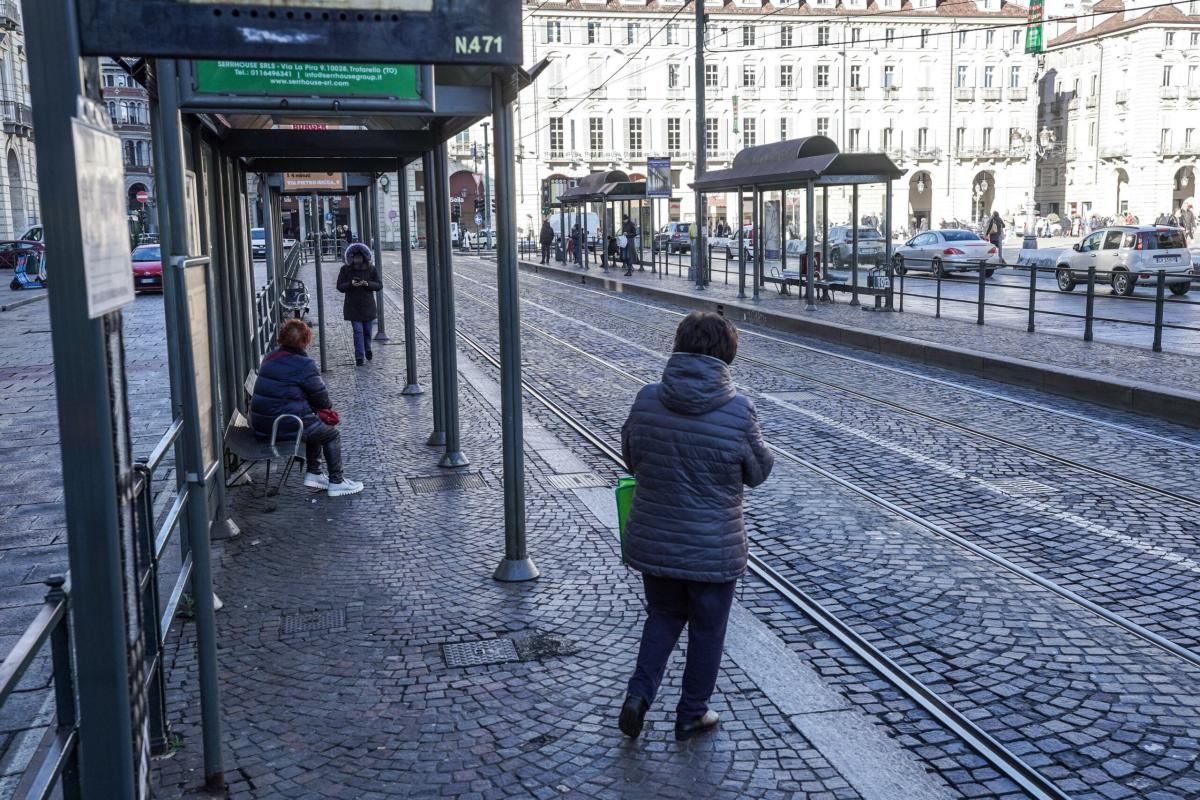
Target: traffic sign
point(142, 197)
point(329, 216)
point(479, 219)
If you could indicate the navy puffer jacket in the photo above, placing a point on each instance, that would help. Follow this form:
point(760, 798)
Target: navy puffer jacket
point(693, 442)
point(289, 382)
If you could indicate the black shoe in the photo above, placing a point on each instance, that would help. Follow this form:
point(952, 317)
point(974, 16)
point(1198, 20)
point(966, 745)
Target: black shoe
point(633, 715)
point(358, 361)
point(696, 727)
point(370, 354)
point(628, 274)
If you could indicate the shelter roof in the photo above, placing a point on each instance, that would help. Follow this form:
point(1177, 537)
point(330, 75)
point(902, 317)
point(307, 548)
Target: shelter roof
point(796, 162)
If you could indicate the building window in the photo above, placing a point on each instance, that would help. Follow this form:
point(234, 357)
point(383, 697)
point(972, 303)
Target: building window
point(108, 79)
point(987, 138)
point(1091, 133)
point(672, 76)
point(553, 32)
point(960, 139)
point(673, 33)
point(748, 36)
point(822, 126)
point(1095, 85)
point(712, 135)
point(1189, 137)
point(852, 140)
point(989, 76)
point(593, 29)
point(783, 129)
point(1014, 77)
point(889, 36)
point(889, 76)
point(596, 134)
point(1166, 80)
point(923, 139)
point(1169, 39)
point(749, 131)
point(989, 37)
point(1164, 140)
point(785, 36)
point(674, 135)
point(711, 78)
point(960, 79)
point(632, 30)
point(962, 38)
point(633, 126)
point(556, 137)
point(855, 76)
point(855, 35)
point(822, 35)
point(924, 38)
point(822, 76)
point(885, 139)
point(785, 76)
point(749, 76)
point(1196, 40)
point(1192, 72)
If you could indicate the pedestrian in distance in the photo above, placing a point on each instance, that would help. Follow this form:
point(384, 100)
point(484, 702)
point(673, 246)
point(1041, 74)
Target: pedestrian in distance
point(546, 238)
point(577, 244)
point(1188, 220)
point(995, 233)
point(693, 442)
point(359, 281)
point(289, 382)
point(629, 232)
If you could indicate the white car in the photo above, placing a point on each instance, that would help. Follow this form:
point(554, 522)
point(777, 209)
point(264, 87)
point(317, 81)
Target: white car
point(944, 251)
point(1126, 256)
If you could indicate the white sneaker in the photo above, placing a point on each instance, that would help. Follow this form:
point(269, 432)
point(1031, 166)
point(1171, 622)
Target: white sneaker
point(347, 486)
point(314, 480)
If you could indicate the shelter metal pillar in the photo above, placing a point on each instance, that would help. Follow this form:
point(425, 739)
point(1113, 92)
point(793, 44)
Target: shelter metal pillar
point(516, 566)
point(433, 244)
point(854, 244)
point(809, 250)
point(782, 231)
point(754, 198)
point(453, 456)
point(373, 227)
point(320, 285)
point(887, 237)
point(741, 213)
point(411, 386)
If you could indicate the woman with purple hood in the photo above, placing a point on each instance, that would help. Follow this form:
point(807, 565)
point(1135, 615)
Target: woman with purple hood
point(359, 281)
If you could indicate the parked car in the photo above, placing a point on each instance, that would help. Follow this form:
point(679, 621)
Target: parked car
point(871, 246)
point(258, 243)
point(944, 251)
point(147, 268)
point(35, 234)
point(13, 249)
point(732, 243)
point(674, 237)
point(1127, 256)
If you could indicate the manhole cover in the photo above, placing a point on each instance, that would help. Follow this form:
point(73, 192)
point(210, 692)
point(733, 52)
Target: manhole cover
point(478, 653)
point(577, 480)
point(1021, 487)
point(307, 621)
point(449, 482)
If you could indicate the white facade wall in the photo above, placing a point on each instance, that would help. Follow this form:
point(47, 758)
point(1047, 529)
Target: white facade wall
point(18, 172)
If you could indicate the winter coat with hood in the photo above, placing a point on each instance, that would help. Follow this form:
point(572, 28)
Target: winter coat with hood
point(693, 442)
point(359, 305)
point(289, 382)
point(547, 233)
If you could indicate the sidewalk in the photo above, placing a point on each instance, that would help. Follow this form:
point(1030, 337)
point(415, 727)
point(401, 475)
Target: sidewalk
point(344, 618)
point(1131, 378)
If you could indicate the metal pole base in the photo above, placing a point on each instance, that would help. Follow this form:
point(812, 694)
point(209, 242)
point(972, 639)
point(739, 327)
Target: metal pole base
point(516, 570)
point(412, 389)
point(382, 337)
point(810, 307)
point(436, 439)
point(855, 302)
point(1029, 242)
point(455, 459)
point(224, 529)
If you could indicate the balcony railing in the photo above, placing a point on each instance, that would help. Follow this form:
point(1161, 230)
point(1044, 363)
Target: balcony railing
point(787, 92)
point(1193, 93)
point(925, 93)
point(1170, 93)
point(11, 11)
point(556, 91)
point(17, 117)
point(1018, 93)
point(600, 92)
point(637, 92)
point(857, 92)
point(1116, 151)
point(599, 155)
point(964, 93)
point(1073, 104)
point(991, 94)
point(1185, 149)
point(558, 155)
point(926, 153)
point(748, 92)
point(1122, 97)
point(1092, 101)
point(676, 93)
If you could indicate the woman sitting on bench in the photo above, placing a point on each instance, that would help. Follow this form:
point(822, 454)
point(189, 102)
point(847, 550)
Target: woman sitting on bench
point(289, 382)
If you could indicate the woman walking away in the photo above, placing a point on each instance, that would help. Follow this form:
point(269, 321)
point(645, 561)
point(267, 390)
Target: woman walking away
point(692, 442)
point(289, 382)
point(359, 281)
point(995, 233)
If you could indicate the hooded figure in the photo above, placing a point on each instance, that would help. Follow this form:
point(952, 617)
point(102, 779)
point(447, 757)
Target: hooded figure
point(359, 281)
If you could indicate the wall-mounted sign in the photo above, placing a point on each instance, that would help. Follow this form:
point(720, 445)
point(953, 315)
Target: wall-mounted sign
point(1033, 31)
point(658, 177)
point(398, 81)
point(101, 178)
point(314, 182)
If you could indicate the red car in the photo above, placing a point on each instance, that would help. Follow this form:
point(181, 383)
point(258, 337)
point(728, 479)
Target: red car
point(13, 249)
point(147, 268)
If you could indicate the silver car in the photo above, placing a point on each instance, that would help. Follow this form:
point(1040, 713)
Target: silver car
point(944, 251)
point(1126, 256)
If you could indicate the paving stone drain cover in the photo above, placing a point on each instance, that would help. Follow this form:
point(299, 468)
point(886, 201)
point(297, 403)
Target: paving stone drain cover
point(448, 482)
point(478, 653)
point(305, 622)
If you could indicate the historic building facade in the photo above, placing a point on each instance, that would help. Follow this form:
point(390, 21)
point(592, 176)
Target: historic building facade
point(129, 110)
point(18, 179)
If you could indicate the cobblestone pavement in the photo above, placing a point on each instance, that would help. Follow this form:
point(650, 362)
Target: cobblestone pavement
point(32, 525)
point(1094, 707)
point(338, 614)
point(1108, 355)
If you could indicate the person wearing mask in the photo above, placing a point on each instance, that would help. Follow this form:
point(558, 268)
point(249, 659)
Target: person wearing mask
point(546, 238)
point(693, 442)
point(289, 382)
point(359, 281)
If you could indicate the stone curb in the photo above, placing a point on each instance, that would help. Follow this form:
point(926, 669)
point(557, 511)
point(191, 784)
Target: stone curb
point(24, 301)
point(1174, 405)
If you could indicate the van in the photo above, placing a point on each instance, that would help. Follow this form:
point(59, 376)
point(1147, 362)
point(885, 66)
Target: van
point(591, 220)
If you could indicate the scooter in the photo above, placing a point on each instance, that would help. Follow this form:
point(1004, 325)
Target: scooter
point(29, 275)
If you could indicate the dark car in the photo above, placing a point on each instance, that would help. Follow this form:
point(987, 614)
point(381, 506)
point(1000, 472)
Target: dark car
point(147, 268)
point(13, 249)
point(674, 237)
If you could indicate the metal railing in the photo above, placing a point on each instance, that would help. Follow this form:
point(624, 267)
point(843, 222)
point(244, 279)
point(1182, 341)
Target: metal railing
point(54, 765)
point(266, 301)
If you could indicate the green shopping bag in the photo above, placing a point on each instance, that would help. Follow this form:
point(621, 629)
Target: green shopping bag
point(626, 486)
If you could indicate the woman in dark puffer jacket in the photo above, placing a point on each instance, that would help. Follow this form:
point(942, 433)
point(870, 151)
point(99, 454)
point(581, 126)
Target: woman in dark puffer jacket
point(693, 442)
point(290, 383)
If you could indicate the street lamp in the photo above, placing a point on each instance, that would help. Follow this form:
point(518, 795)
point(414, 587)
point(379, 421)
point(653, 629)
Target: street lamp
point(1036, 147)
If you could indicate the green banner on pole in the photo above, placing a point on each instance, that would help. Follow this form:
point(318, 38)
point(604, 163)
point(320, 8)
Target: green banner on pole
point(1033, 31)
point(399, 81)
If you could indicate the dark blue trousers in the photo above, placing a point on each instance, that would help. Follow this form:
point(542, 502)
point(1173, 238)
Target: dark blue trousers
point(672, 603)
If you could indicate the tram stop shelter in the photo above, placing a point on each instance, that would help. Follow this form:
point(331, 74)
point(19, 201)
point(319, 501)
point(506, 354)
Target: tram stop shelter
point(235, 90)
point(616, 195)
point(806, 164)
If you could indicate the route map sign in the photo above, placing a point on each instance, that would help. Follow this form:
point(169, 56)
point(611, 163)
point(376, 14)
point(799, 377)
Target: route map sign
point(399, 81)
point(1033, 31)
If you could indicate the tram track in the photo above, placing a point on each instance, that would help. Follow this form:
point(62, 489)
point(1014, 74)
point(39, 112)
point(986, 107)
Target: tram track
point(999, 757)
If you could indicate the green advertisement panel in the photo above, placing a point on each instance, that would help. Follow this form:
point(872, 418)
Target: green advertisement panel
point(1033, 31)
point(397, 81)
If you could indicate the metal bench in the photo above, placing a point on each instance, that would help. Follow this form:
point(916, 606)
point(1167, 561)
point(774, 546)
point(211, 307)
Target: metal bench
point(241, 440)
point(792, 277)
